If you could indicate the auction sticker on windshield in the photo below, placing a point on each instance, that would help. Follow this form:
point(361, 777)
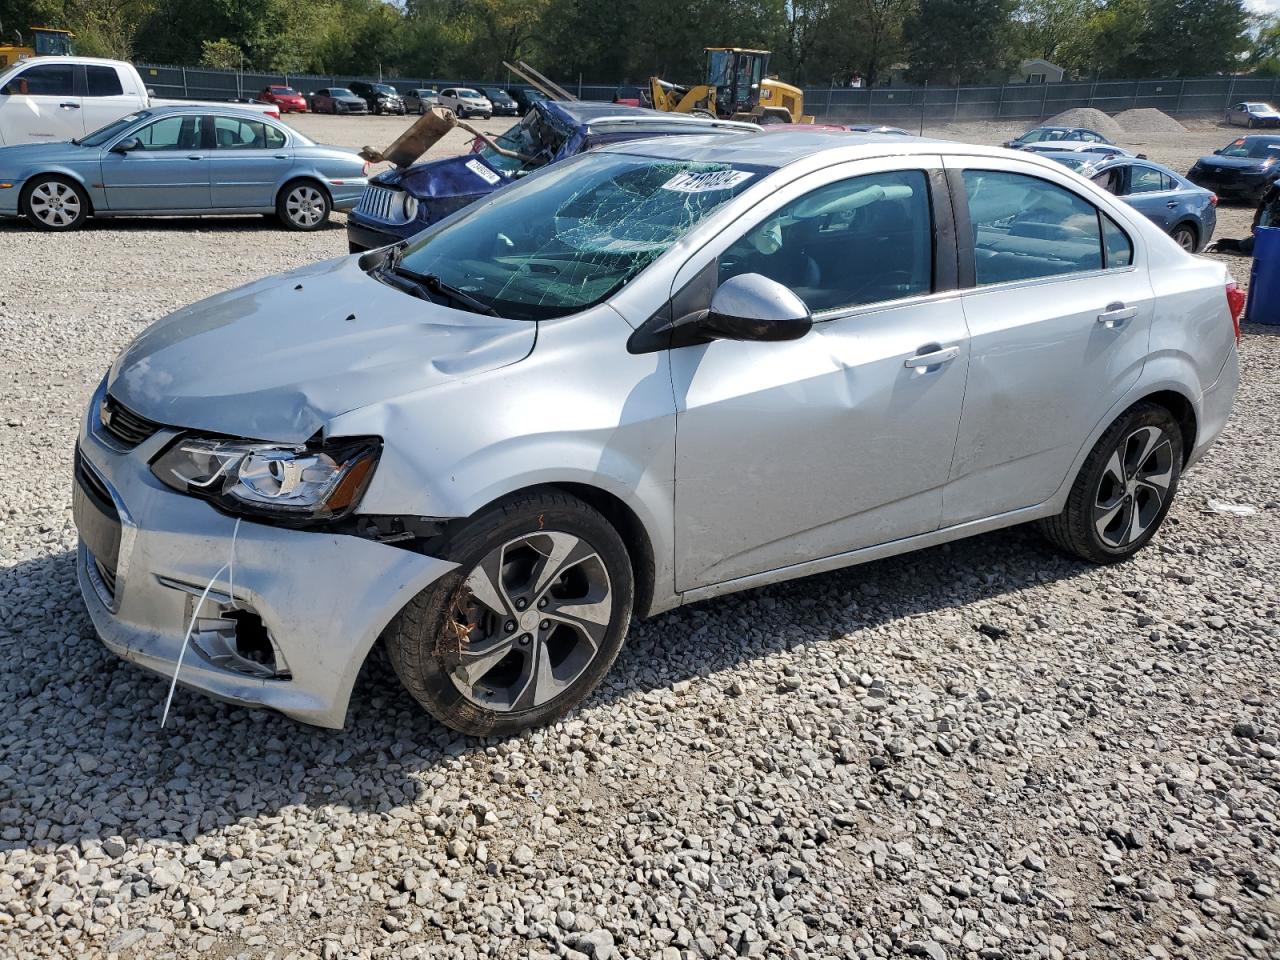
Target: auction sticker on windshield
point(483, 172)
point(706, 181)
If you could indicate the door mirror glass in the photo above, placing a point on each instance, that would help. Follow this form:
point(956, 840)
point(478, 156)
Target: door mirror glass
point(127, 145)
point(752, 307)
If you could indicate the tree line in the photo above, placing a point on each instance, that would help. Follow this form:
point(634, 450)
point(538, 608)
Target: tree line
point(814, 41)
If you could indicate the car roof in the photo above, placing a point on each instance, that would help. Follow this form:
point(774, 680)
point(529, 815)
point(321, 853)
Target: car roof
point(599, 113)
point(780, 149)
point(230, 109)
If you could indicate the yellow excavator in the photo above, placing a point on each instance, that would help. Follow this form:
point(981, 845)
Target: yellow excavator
point(45, 42)
point(737, 88)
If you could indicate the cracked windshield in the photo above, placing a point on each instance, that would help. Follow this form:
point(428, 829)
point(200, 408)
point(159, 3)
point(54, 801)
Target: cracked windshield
point(591, 226)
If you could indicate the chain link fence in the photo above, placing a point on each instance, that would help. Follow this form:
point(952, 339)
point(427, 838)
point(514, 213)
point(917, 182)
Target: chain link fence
point(905, 106)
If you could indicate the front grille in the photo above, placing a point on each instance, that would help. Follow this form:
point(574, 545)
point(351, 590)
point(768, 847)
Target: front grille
point(382, 203)
point(125, 427)
point(90, 480)
point(98, 522)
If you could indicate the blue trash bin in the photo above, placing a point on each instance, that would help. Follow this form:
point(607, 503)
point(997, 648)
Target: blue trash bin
point(1263, 305)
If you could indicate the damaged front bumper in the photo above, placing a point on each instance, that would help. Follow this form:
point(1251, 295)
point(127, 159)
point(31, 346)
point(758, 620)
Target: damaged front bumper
point(286, 627)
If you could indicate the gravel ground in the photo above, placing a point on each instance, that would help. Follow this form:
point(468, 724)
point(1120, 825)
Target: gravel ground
point(983, 750)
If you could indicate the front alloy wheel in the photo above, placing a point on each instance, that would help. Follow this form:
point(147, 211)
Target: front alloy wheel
point(1124, 489)
point(526, 626)
point(54, 204)
point(532, 618)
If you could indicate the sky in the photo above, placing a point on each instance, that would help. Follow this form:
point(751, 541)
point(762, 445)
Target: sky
point(1264, 6)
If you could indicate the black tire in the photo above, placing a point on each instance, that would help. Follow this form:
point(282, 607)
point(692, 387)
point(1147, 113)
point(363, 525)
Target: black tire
point(56, 204)
point(1250, 124)
point(1185, 236)
point(303, 205)
point(1080, 529)
point(426, 639)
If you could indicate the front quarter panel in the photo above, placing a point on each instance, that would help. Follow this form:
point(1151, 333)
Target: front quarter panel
point(580, 409)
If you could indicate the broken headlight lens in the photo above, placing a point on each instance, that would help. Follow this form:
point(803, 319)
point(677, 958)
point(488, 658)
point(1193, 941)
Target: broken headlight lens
point(290, 482)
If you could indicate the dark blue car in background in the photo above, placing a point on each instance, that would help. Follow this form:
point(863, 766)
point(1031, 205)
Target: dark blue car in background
point(401, 202)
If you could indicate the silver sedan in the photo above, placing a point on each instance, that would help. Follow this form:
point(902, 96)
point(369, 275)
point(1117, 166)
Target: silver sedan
point(181, 161)
point(646, 376)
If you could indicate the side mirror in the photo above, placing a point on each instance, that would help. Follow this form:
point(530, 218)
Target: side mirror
point(127, 145)
point(753, 307)
point(150, 92)
point(1217, 152)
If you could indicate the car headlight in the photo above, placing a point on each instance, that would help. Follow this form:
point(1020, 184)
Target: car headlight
point(298, 483)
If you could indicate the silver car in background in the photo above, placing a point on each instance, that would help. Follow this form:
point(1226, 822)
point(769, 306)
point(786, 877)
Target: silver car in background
point(181, 161)
point(649, 375)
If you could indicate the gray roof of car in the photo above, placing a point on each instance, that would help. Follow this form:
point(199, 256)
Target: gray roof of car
point(233, 109)
point(779, 149)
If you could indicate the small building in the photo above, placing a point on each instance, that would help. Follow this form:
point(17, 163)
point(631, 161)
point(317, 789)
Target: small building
point(1038, 71)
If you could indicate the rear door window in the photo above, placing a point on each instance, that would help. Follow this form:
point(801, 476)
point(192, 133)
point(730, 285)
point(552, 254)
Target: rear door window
point(103, 81)
point(232, 133)
point(1025, 228)
point(1149, 180)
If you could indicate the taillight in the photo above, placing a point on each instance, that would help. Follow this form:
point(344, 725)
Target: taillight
point(1213, 199)
point(273, 114)
point(1235, 303)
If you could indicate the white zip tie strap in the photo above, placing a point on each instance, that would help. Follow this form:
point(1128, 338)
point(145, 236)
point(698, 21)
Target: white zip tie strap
point(230, 565)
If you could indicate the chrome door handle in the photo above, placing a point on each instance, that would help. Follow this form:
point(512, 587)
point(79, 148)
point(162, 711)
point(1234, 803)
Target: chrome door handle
point(1172, 204)
point(933, 358)
point(1117, 314)
point(69, 106)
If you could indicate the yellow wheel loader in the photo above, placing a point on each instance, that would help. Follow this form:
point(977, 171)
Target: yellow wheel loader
point(45, 42)
point(737, 88)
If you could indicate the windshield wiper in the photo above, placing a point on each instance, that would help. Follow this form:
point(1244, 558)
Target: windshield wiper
point(437, 286)
point(424, 284)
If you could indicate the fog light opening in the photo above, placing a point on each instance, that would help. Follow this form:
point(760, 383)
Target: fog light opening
point(253, 641)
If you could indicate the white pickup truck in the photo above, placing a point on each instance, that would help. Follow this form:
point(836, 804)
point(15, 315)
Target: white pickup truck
point(61, 98)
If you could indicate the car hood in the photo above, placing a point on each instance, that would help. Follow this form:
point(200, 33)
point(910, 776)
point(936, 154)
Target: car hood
point(278, 358)
point(1231, 163)
point(462, 176)
point(24, 154)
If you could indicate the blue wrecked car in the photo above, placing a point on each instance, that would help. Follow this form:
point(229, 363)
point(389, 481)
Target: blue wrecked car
point(407, 199)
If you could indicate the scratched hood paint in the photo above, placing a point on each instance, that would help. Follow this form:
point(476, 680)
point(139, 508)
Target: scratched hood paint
point(271, 361)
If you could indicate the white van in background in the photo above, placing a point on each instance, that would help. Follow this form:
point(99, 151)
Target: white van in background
point(61, 98)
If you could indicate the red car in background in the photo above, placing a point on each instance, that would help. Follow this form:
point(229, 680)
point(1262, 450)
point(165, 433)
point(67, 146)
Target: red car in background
point(287, 99)
point(630, 97)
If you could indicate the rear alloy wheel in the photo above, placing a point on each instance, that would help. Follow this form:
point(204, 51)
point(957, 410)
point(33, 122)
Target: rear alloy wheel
point(1184, 235)
point(52, 203)
point(527, 625)
point(1124, 490)
point(303, 205)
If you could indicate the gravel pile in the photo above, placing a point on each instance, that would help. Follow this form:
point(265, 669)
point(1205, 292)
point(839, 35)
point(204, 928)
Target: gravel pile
point(981, 751)
point(1148, 120)
point(1090, 119)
